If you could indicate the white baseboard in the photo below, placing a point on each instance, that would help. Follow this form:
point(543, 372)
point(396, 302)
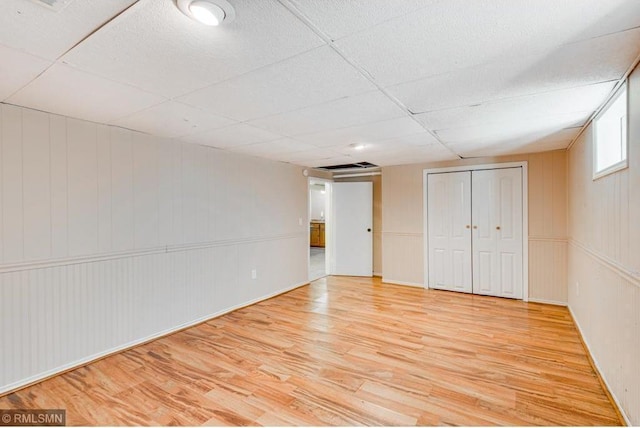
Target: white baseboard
point(547, 301)
point(409, 284)
point(597, 367)
point(88, 360)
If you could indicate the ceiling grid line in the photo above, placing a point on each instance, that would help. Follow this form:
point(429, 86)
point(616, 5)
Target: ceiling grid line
point(298, 14)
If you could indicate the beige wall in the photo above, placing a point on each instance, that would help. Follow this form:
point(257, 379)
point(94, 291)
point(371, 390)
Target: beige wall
point(402, 229)
point(604, 260)
point(377, 218)
point(110, 237)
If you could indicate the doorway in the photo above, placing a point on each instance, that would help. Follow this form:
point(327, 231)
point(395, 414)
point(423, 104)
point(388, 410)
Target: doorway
point(319, 213)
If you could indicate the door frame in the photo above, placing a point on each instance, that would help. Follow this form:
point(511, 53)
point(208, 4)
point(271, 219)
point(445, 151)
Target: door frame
point(328, 225)
point(525, 214)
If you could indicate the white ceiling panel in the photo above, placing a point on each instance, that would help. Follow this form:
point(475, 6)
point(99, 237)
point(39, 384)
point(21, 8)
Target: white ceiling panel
point(392, 146)
point(70, 92)
point(338, 18)
point(312, 155)
point(406, 155)
point(363, 133)
point(38, 30)
point(273, 149)
point(232, 136)
point(351, 111)
point(17, 69)
point(486, 138)
point(155, 47)
point(311, 78)
point(335, 160)
point(595, 60)
point(540, 141)
point(583, 100)
point(456, 34)
point(172, 119)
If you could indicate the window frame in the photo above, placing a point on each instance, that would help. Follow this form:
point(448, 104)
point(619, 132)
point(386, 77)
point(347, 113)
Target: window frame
point(624, 163)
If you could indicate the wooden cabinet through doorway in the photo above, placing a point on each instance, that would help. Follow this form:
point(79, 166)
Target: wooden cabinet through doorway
point(316, 231)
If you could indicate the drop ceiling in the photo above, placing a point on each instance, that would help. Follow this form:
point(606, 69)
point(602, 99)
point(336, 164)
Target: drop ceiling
point(302, 81)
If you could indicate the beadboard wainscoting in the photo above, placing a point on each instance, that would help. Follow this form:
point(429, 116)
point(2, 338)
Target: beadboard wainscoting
point(109, 238)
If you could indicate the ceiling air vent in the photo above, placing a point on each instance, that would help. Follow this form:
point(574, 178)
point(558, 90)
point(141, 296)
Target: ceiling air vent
point(55, 5)
point(359, 165)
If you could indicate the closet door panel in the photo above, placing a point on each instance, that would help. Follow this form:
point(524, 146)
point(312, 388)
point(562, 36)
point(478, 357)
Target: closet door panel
point(449, 233)
point(497, 232)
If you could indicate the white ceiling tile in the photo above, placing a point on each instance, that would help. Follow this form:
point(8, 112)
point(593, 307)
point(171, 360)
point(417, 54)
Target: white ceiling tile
point(457, 34)
point(273, 149)
point(363, 133)
point(335, 160)
point(540, 141)
point(17, 69)
point(414, 142)
point(351, 111)
point(596, 60)
point(423, 138)
point(232, 136)
point(157, 48)
point(497, 139)
point(66, 91)
point(582, 100)
point(172, 119)
point(338, 18)
point(405, 155)
point(38, 30)
point(310, 78)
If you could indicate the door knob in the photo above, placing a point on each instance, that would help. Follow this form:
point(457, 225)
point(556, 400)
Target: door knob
point(468, 226)
point(497, 227)
point(369, 230)
point(475, 227)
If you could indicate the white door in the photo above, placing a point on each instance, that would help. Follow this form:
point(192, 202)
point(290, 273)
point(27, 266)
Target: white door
point(352, 205)
point(449, 230)
point(497, 232)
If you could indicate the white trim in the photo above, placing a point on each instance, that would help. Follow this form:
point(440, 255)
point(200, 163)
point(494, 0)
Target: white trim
point(525, 214)
point(84, 361)
point(328, 218)
point(624, 78)
point(67, 261)
point(475, 167)
point(405, 283)
point(597, 367)
point(632, 277)
point(547, 301)
point(624, 163)
point(547, 239)
point(361, 174)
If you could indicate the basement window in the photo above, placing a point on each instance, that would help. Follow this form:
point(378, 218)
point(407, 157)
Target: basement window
point(610, 136)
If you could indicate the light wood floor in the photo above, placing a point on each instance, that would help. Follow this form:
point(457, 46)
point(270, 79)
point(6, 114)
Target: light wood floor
point(346, 351)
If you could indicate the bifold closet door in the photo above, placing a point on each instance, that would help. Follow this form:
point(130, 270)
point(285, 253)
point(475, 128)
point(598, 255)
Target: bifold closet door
point(497, 232)
point(449, 230)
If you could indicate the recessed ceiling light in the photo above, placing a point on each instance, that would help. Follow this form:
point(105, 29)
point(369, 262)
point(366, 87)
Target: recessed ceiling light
point(207, 12)
point(357, 146)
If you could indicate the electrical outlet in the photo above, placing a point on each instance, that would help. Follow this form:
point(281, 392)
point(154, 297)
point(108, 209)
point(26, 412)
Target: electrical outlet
point(254, 274)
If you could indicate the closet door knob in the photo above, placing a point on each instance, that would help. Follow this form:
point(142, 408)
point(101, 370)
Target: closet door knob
point(497, 227)
point(475, 227)
point(468, 226)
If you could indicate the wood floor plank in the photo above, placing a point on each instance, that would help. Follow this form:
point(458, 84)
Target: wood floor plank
point(346, 351)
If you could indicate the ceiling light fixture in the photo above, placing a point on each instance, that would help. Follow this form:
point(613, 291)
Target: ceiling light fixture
point(357, 146)
point(207, 12)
